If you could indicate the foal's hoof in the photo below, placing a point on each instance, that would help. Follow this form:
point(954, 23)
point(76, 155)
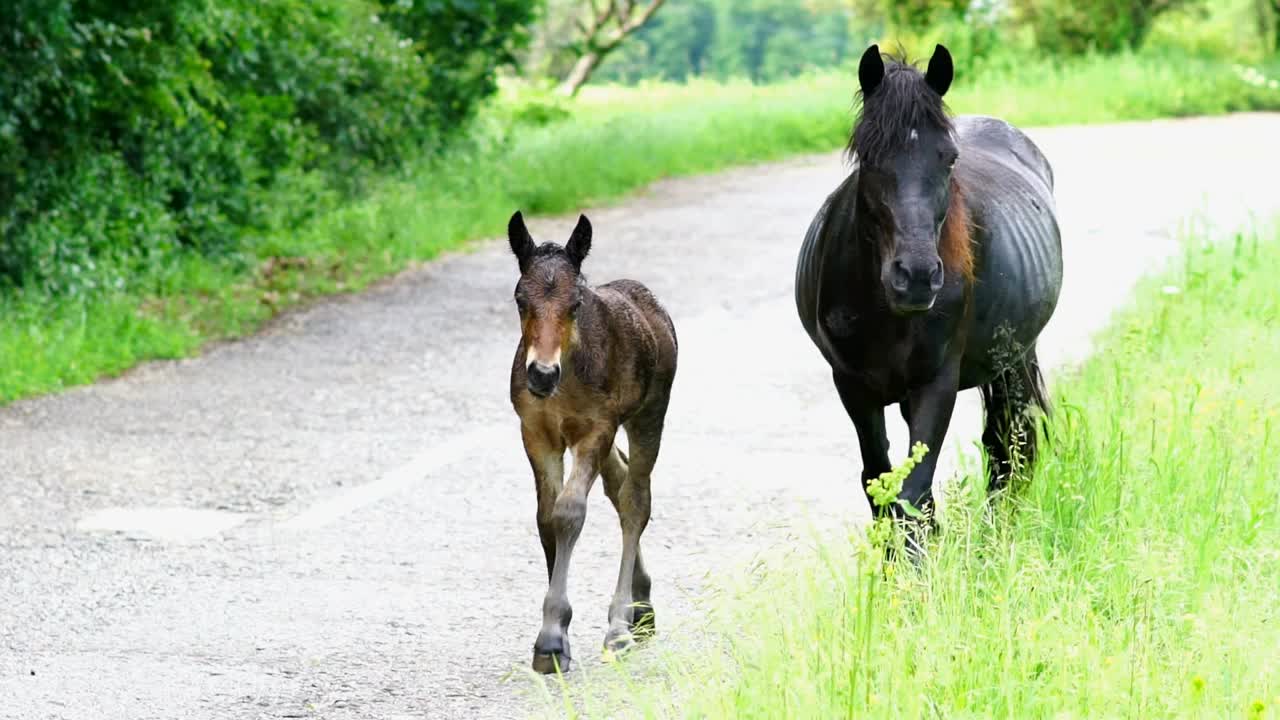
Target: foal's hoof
point(551, 663)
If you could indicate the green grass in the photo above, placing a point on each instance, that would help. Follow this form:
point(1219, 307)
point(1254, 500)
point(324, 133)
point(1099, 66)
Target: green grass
point(612, 141)
point(1137, 576)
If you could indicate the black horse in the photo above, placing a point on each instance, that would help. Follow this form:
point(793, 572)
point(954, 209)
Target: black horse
point(932, 269)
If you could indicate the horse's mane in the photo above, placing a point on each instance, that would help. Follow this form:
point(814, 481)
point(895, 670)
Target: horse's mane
point(900, 102)
point(955, 247)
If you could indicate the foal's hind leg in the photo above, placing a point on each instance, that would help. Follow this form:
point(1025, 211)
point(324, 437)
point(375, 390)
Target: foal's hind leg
point(615, 476)
point(1009, 436)
point(631, 612)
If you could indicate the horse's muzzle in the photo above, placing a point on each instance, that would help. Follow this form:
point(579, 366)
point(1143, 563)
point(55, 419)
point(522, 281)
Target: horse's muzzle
point(913, 287)
point(543, 379)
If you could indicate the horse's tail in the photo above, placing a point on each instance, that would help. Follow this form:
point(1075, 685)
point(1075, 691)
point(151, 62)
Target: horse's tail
point(1039, 391)
point(1012, 433)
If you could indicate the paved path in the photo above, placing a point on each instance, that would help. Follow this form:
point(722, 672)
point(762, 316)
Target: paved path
point(334, 518)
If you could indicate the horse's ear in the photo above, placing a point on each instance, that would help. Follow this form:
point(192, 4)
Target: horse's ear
point(520, 239)
point(941, 71)
point(579, 242)
point(870, 70)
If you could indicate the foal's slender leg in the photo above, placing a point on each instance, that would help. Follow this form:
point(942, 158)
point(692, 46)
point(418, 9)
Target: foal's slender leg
point(868, 420)
point(551, 649)
point(546, 457)
point(631, 612)
point(615, 475)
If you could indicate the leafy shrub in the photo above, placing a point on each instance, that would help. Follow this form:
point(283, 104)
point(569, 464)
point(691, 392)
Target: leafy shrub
point(1083, 26)
point(129, 131)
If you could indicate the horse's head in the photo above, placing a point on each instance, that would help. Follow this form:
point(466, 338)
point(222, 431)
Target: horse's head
point(906, 151)
point(548, 294)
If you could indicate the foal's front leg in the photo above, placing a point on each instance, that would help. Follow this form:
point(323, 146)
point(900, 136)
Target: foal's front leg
point(546, 457)
point(551, 649)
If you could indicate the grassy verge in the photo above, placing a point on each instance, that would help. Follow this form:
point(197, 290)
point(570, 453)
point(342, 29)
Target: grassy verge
point(1135, 577)
point(611, 142)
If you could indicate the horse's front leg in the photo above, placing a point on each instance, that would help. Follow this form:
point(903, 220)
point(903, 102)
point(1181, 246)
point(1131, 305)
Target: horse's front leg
point(569, 512)
point(868, 420)
point(929, 413)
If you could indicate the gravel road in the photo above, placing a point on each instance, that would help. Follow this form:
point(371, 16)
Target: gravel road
point(334, 518)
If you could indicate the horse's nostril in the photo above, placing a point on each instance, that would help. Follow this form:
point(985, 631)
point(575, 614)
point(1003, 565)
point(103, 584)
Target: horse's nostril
point(899, 276)
point(935, 279)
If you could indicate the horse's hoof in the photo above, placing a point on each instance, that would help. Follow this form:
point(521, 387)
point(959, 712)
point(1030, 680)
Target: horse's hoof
point(551, 663)
point(551, 653)
point(645, 625)
point(617, 643)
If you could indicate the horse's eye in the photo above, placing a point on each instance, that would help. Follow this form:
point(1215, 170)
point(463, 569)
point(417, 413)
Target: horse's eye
point(521, 301)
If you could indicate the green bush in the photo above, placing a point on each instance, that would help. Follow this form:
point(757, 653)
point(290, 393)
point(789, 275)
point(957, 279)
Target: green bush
point(1082, 26)
point(129, 131)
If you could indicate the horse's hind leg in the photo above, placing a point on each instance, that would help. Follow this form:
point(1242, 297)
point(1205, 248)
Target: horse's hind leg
point(1009, 436)
point(631, 612)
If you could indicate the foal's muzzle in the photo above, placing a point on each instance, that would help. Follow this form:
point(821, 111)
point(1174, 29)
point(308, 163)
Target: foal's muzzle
point(543, 379)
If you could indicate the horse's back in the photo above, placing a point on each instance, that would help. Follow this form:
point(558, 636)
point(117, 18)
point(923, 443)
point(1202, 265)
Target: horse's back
point(1009, 193)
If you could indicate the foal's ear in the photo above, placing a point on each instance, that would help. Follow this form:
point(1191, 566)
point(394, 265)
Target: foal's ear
point(520, 239)
point(579, 242)
point(941, 71)
point(870, 71)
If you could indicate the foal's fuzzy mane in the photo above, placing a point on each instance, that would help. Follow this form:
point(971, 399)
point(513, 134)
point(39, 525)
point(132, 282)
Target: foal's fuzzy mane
point(902, 101)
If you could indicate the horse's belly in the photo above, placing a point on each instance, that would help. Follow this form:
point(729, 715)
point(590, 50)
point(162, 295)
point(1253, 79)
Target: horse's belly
point(1017, 292)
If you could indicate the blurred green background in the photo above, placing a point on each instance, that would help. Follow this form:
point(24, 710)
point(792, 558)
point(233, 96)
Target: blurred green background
point(176, 172)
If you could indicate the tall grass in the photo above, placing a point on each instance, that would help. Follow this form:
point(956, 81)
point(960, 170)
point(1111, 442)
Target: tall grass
point(1136, 576)
point(607, 144)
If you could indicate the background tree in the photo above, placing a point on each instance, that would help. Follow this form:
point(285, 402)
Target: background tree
point(1269, 22)
point(603, 25)
point(762, 40)
point(1082, 26)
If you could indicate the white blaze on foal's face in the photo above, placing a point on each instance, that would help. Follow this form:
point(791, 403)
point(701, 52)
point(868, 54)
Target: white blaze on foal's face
point(532, 356)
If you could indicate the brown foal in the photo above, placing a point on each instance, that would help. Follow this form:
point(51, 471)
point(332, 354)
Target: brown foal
point(590, 360)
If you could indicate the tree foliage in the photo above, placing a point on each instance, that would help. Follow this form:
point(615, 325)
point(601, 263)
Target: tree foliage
point(763, 40)
point(1082, 26)
point(129, 130)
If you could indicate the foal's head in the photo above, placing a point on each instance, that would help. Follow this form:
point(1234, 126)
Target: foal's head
point(906, 151)
point(548, 294)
